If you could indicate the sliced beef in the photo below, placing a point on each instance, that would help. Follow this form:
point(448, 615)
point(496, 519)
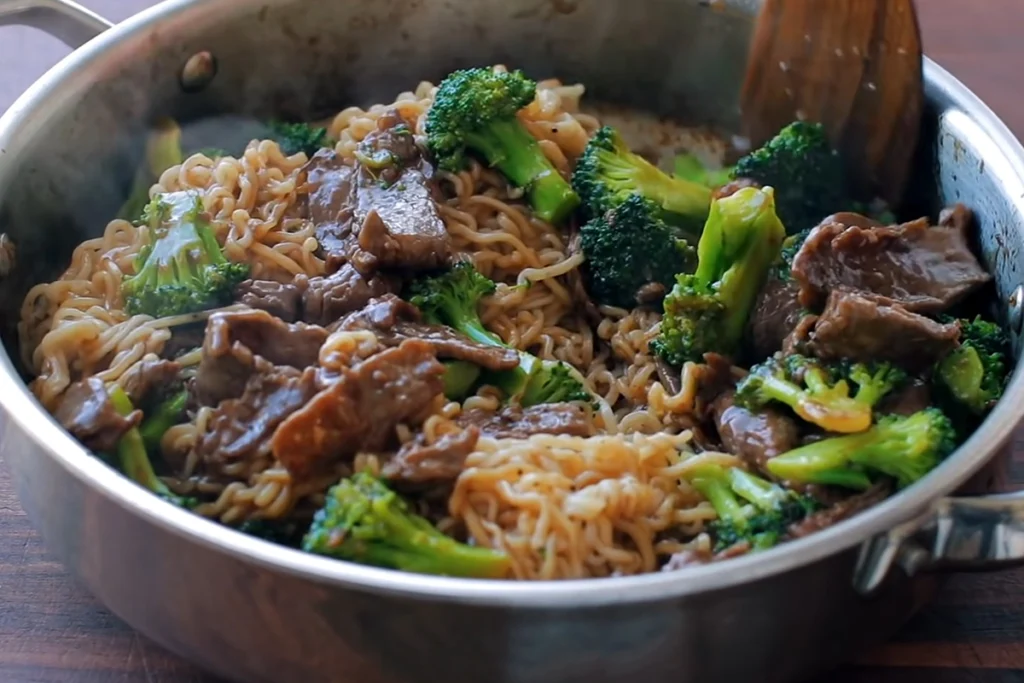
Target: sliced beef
point(329, 206)
point(380, 212)
point(241, 428)
point(85, 410)
point(150, 378)
point(359, 408)
point(925, 269)
point(841, 510)
point(861, 327)
point(754, 437)
point(235, 338)
point(326, 299)
point(912, 398)
point(399, 223)
point(419, 463)
point(280, 300)
point(514, 422)
point(776, 314)
point(394, 321)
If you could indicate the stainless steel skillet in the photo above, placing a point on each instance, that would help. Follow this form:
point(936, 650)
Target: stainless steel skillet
point(254, 612)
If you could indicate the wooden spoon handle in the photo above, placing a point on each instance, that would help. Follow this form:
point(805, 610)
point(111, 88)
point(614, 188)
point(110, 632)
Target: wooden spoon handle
point(854, 66)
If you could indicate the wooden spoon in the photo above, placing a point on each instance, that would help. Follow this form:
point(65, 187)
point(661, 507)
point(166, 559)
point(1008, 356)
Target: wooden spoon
point(852, 65)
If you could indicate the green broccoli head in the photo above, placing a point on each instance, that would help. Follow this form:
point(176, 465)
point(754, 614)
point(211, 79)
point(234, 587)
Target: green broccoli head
point(182, 269)
point(608, 174)
point(874, 380)
point(806, 172)
point(810, 389)
point(366, 522)
point(629, 247)
point(904, 448)
point(453, 297)
point(750, 509)
point(973, 377)
point(474, 110)
point(708, 310)
point(293, 138)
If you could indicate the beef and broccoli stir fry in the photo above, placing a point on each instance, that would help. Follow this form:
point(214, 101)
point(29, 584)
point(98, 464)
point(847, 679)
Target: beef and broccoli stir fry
point(473, 333)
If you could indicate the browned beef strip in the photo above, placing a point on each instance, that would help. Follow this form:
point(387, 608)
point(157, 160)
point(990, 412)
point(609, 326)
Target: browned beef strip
point(281, 300)
point(926, 269)
point(86, 412)
point(329, 205)
point(417, 462)
point(359, 408)
point(150, 378)
point(394, 321)
point(754, 437)
point(858, 326)
point(912, 398)
point(326, 299)
point(379, 213)
point(776, 314)
point(514, 422)
point(241, 428)
point(843, 509)
point(234, 338)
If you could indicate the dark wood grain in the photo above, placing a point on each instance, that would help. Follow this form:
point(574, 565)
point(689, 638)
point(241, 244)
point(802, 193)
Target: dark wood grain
point(52, 631)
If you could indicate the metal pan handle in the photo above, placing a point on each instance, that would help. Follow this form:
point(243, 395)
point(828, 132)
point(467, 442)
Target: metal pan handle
point(958, 534)
point(65, 20)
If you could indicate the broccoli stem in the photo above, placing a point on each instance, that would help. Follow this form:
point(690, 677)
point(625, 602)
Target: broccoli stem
point(756, 490)
point(459, 378)
point(508, 146)
point(713, 483)
point(131, 451)
point(166, 416)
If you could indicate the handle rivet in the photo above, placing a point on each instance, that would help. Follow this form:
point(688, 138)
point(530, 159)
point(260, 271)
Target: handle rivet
point(198, 71)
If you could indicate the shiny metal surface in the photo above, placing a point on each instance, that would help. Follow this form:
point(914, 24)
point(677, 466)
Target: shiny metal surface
point(62, 19)
point(254, 612)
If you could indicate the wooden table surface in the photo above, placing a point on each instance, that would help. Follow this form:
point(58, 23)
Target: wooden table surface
point(52, 631)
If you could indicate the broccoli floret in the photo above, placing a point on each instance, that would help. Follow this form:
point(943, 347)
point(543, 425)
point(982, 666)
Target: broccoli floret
point(708, 310)
point(629, 247)
point(166, 415)
point(293, 138)
point(134, 460)
point(750, 509)
point(904, 448)
point(806, 172)
point(452, 298)
point(475, 110)
point(874, 380)
point(975, 374)
point(608, 174)
point(809, 388)
point(689, 167)
point(459, 379)
point(364, 521)
point(163, 150)
point(182, 269)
